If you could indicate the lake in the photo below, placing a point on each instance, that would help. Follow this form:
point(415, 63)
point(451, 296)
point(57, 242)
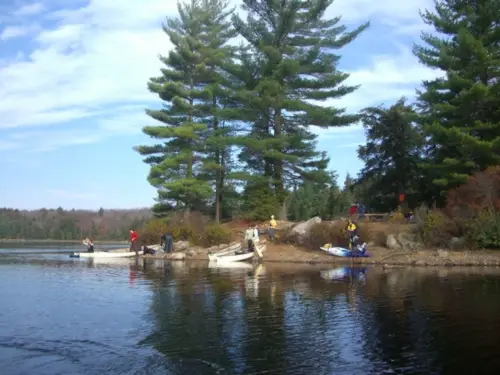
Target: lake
point(61, 315)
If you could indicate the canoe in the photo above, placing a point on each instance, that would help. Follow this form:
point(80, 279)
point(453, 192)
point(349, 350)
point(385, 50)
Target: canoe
point(343, 252)
point(229, 250)
point(105, 254)
point(259, 249)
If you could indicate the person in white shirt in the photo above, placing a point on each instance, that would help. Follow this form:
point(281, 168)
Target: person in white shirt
point(249, 237)
point(255, 235)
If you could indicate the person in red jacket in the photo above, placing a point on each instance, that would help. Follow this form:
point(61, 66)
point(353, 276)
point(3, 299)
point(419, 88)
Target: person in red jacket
point(133, 241)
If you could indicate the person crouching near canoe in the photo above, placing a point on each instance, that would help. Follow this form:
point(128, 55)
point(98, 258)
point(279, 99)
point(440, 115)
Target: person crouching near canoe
point(133, 242)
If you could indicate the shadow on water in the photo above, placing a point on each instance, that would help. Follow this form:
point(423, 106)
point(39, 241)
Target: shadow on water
point(185, 318)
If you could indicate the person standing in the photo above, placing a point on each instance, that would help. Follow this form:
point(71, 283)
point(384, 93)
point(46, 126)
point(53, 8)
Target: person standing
point(273, 224)
point(255, 235)
point(133, 241)
point(90, 245)
point(249, 237)
point(167, 242)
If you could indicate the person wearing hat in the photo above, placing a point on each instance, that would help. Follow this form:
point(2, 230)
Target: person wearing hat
point(273, 224)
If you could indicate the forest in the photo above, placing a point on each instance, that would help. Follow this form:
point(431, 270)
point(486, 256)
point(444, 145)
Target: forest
point(60, 224)
point(241, 98)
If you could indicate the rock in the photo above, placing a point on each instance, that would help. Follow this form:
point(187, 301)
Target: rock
point(181, 245)
point(191, 253)
point(408, 241)
point(177, 256)
point(302, 230)
point(457, 243)
point(442, 253)
point(392, 243)
point(222, 246)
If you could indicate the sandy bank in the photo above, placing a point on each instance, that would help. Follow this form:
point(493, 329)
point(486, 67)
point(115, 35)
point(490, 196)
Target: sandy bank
point(279, 253)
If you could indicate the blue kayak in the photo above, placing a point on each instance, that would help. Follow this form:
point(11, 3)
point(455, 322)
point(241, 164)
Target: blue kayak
point(344, 253)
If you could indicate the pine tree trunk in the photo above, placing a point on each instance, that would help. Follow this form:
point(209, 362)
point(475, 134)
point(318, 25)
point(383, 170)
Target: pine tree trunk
point(278, 163)
point(218, 172)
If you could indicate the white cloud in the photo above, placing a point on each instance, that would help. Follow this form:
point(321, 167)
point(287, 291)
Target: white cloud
point(29, 9)
point(11, 32)
point(402, 15)
point(96, 60)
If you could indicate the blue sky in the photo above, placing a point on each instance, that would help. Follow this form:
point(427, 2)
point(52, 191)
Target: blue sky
point(73, 93)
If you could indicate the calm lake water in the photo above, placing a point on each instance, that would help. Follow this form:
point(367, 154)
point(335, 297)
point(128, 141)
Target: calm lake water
point(60, 315)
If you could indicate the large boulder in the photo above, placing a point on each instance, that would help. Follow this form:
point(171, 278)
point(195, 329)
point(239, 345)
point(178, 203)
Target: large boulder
point(409, 241)
point(181, 245)
point(302, 230)
point(392, 242)
point(403, 241)
point(457, 243)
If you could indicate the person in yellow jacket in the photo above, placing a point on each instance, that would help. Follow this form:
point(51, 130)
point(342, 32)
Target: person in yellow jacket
point(352, 232)
point(273, 224)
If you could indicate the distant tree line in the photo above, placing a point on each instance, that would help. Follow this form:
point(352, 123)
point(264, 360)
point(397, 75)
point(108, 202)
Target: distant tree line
point(59, 224)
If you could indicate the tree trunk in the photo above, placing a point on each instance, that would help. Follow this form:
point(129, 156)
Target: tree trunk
point(278, 163)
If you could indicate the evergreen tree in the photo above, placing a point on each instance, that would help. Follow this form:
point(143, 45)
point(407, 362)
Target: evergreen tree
point(217, 54)
point(294, 66)
point(461, 110)
point(189, 87)
point(391, 155)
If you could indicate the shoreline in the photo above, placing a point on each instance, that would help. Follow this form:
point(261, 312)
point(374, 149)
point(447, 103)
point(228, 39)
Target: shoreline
point(287, 254)
point(13, 240)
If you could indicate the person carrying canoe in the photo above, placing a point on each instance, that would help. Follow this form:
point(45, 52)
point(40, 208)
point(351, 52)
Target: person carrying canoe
point(133, 242)
point(273, 224)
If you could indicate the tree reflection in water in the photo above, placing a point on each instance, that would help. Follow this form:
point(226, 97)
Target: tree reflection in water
point(211, 321)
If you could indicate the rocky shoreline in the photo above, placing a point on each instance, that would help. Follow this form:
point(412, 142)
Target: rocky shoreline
point(280, 253)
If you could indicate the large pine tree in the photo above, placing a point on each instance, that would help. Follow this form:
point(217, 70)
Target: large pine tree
point(461, 110)
point(297, 69)
point(190, 158)
point(391, 155)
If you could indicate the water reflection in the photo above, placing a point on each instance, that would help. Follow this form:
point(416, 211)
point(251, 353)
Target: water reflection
point(240, 321)
point(156, 317)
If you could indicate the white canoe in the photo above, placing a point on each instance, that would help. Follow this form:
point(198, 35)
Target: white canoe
point(259, 249)
point(105, 254)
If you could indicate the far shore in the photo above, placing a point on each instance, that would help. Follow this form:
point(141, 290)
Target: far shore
point(279, 253)
point(22, 240)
